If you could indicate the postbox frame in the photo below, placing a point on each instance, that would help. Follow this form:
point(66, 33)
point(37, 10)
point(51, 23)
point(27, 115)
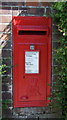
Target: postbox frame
point(17, 103)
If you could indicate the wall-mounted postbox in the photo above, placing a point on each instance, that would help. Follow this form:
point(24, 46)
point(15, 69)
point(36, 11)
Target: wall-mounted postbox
point(31, 60)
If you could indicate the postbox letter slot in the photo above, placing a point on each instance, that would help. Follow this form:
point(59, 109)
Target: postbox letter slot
point(22, 32)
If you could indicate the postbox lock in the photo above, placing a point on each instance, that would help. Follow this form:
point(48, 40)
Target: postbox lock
point(31, 47)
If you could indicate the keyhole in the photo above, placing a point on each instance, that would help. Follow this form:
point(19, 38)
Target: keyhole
point(23, 76)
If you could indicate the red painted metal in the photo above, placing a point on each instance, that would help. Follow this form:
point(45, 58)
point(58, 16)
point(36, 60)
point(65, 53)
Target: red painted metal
point(31, 89)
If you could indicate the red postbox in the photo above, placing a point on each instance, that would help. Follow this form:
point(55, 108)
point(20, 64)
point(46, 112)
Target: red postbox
point(31, 60)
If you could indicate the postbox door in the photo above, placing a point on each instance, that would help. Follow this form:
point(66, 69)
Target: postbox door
point(31, 81)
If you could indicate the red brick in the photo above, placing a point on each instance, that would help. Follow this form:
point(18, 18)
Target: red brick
point(3, 28)
point(21, 3)
point(4, 37)
point(1, 35)
point(46, 3)
point(31, 3)
point(5, 19)
point(5, 11)
point(37, 3)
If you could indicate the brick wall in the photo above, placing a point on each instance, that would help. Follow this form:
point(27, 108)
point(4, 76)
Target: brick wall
point(7, 10)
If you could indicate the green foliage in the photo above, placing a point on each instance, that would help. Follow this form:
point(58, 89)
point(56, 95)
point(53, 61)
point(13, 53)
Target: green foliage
point(5, 104)
point(60, 17)
point(1, 69)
